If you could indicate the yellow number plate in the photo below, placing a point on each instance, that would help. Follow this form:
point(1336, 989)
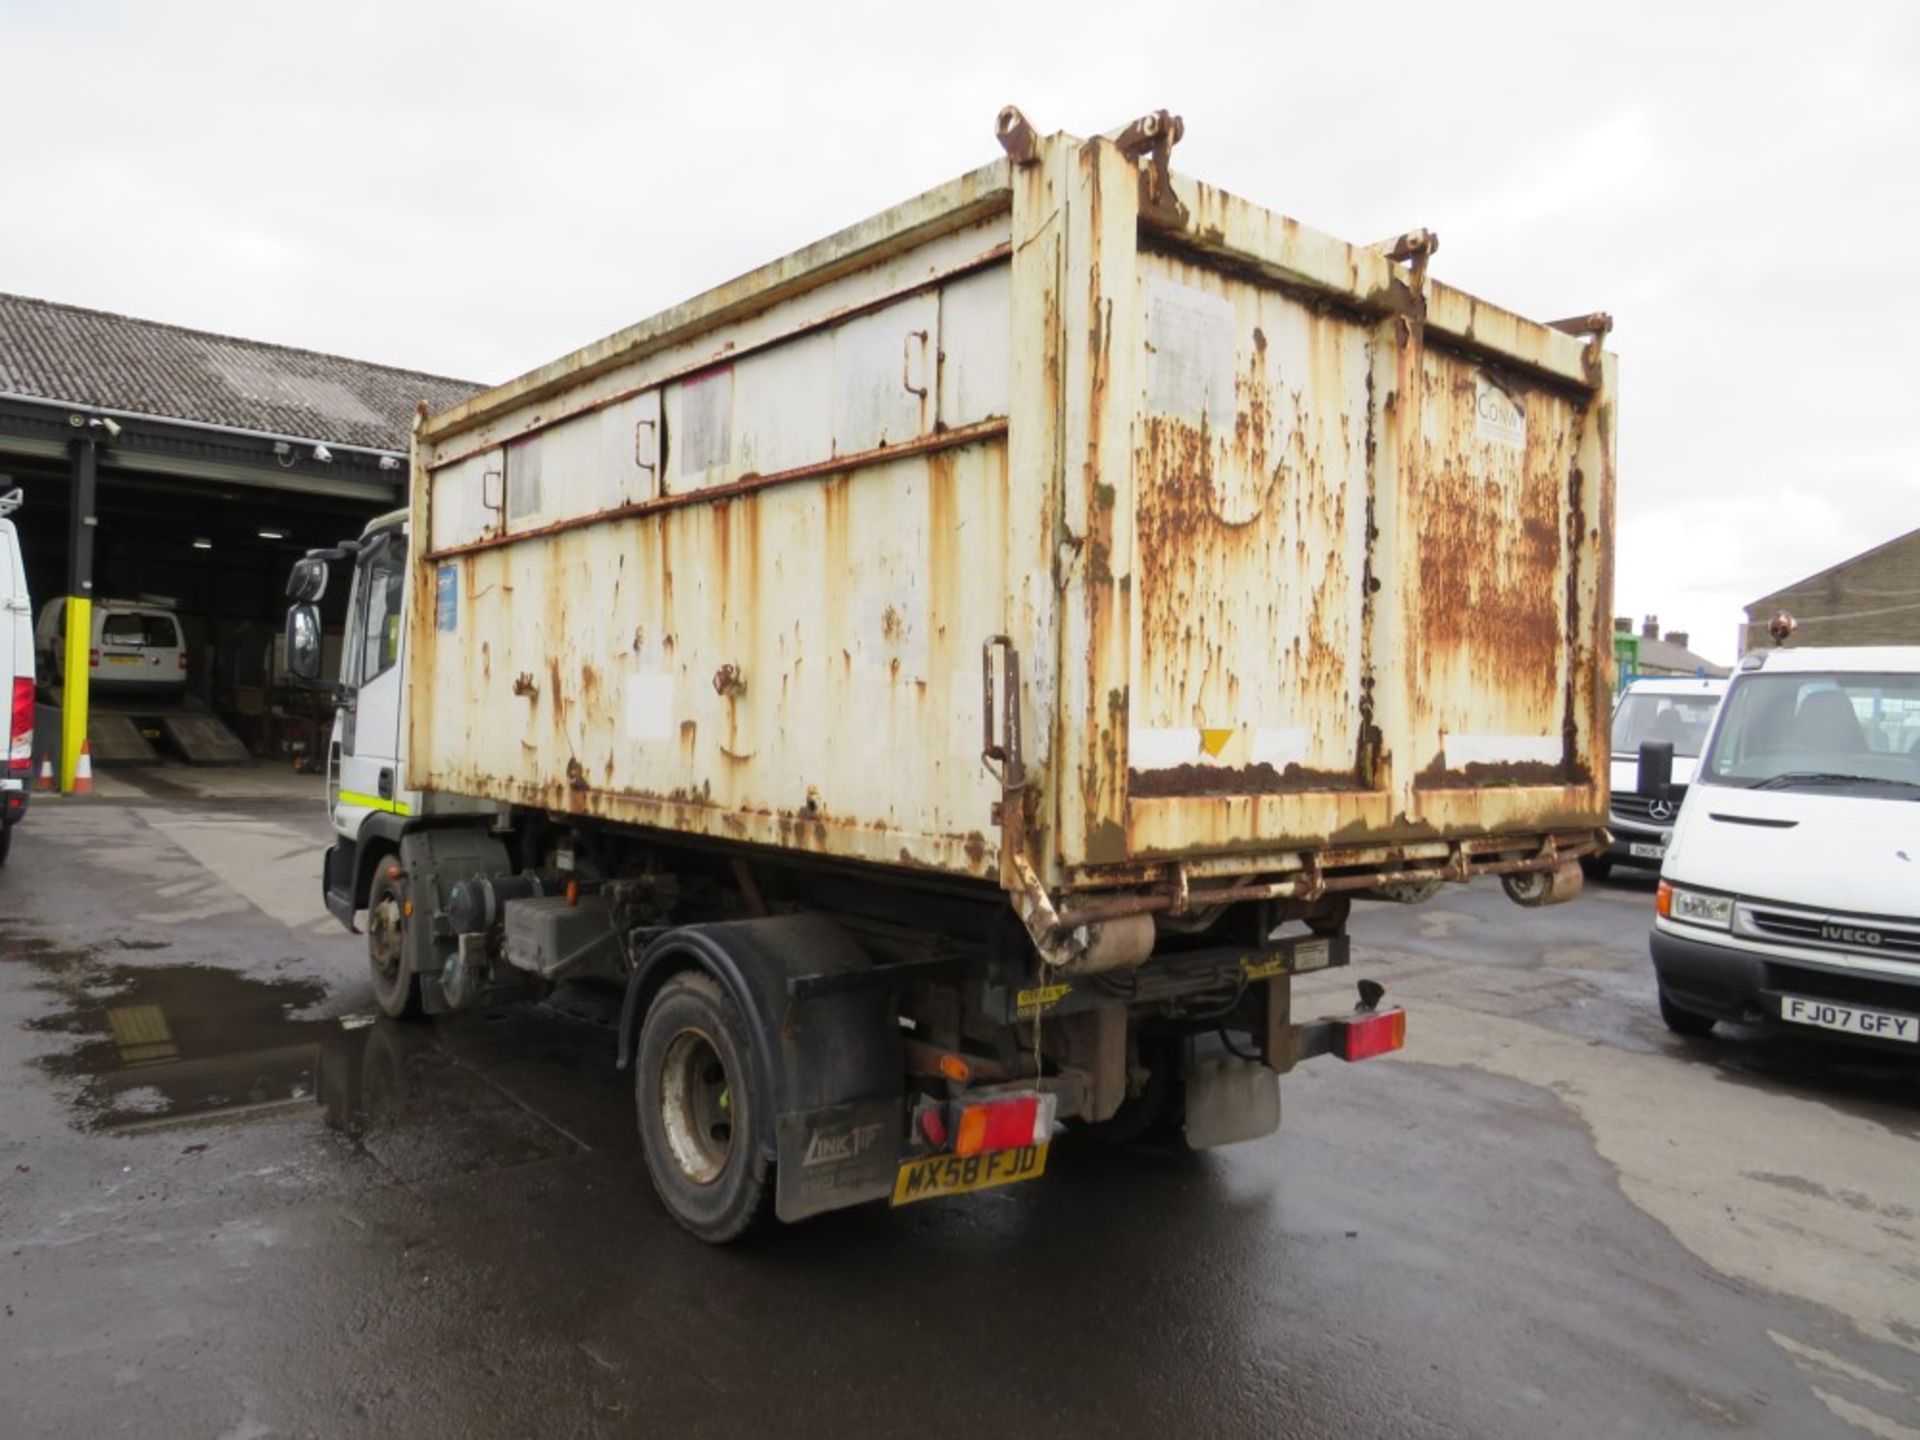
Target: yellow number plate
point(123, 659)
point(948, 1175)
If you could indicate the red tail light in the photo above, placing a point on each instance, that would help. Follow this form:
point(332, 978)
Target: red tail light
point(1361, 1037)
point(20, 730)
point(93, 658)
point(1011, 1123)
point(183, 660)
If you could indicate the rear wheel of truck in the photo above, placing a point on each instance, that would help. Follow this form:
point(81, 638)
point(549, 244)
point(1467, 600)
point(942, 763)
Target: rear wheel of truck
point(395, 987)
point(707, 1145)
point(1683, 1022)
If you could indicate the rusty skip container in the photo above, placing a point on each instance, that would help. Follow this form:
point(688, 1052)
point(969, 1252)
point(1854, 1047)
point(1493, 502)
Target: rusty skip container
point(1075, 527)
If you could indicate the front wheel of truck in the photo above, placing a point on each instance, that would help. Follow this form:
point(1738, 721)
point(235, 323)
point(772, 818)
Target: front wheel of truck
point(708, 1147)
point(395, 987)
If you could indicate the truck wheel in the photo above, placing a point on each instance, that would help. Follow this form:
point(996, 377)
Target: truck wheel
point(1683, 1022)
point(395, 986)
point(707, 1145)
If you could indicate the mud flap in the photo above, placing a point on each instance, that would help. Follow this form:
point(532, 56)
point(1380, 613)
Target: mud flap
point(1230, 1100)
point(436, 861)
point(827, 1047)
point(837, 1156)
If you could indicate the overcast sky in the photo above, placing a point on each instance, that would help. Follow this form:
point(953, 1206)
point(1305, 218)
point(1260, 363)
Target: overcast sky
point(475, 189)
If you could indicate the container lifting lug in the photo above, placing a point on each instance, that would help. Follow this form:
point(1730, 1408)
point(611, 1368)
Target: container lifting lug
point(1596, 327)
point(1415, 249)
point(1016, 136)
point(1149, 142)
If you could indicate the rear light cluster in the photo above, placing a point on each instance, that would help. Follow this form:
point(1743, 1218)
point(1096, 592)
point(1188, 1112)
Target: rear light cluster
point(1361, 1037)
point(20, 728)
point(986, 1124)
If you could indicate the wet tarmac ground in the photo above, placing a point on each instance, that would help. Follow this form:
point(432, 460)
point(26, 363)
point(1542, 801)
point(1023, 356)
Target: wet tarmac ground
point(234, 1204)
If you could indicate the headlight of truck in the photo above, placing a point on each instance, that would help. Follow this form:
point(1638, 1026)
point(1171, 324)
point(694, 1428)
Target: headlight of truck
point(1695, 907)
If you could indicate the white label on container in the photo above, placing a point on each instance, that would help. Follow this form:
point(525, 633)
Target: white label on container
point(650, 705)
point(1280, 746)
point(1190, 340)
point(1497, 416)
point(1150, 748)
point(1464, 750)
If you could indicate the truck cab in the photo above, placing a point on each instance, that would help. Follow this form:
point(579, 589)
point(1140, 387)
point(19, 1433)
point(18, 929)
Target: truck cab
point(366, 798)
point(1790, 891)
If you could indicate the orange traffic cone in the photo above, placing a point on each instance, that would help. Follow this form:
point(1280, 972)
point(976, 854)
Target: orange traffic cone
point(45, 781)
point(83, 772)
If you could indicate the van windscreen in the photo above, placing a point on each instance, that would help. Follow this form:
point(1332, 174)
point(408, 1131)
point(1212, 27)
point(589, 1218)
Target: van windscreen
point(1834, 732)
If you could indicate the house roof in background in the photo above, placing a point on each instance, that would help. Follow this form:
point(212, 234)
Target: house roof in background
point(1665, 655)
point(91, 358)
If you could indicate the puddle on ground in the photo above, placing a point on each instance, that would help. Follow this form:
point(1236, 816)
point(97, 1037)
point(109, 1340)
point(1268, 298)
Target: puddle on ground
point(170, 1045)
point(161, 1045)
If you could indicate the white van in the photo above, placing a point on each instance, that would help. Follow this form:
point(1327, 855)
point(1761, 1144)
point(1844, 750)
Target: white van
point(16, 674)
point(136, 647)
point(1791, 887)
point(1676, 710)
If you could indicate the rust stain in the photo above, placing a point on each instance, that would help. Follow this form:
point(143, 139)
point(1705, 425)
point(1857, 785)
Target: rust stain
point(1481, 775)
point(1260, 779)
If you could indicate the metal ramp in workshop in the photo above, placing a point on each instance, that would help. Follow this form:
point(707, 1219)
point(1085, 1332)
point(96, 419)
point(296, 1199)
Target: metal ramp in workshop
point(202, 738)
point(116, 740)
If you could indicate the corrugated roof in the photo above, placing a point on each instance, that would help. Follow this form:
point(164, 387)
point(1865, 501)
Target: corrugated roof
point(115, 362)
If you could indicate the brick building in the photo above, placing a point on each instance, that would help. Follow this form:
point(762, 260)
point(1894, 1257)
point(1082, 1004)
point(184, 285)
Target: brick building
point(1872, 599)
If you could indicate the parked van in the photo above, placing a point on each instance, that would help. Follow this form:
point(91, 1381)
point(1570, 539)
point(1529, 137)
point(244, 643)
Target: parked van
point(1790, 890)
point(136, 647)
point(1678, 711)
point(16, 673)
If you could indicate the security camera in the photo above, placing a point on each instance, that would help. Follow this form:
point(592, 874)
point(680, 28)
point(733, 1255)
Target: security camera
point(323, 455)
point(389, 462)
point(106, 423)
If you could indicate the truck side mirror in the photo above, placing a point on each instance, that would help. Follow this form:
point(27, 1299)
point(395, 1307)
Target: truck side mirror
point(303, 642)
point(1655, 780)
point(309, 579)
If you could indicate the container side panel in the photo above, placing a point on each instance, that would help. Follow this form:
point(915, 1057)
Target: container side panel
point(976, 347)
point(462, 494)
point(1488, 584)
point(797, 660)
point(1251, 473)
point(792, 663)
